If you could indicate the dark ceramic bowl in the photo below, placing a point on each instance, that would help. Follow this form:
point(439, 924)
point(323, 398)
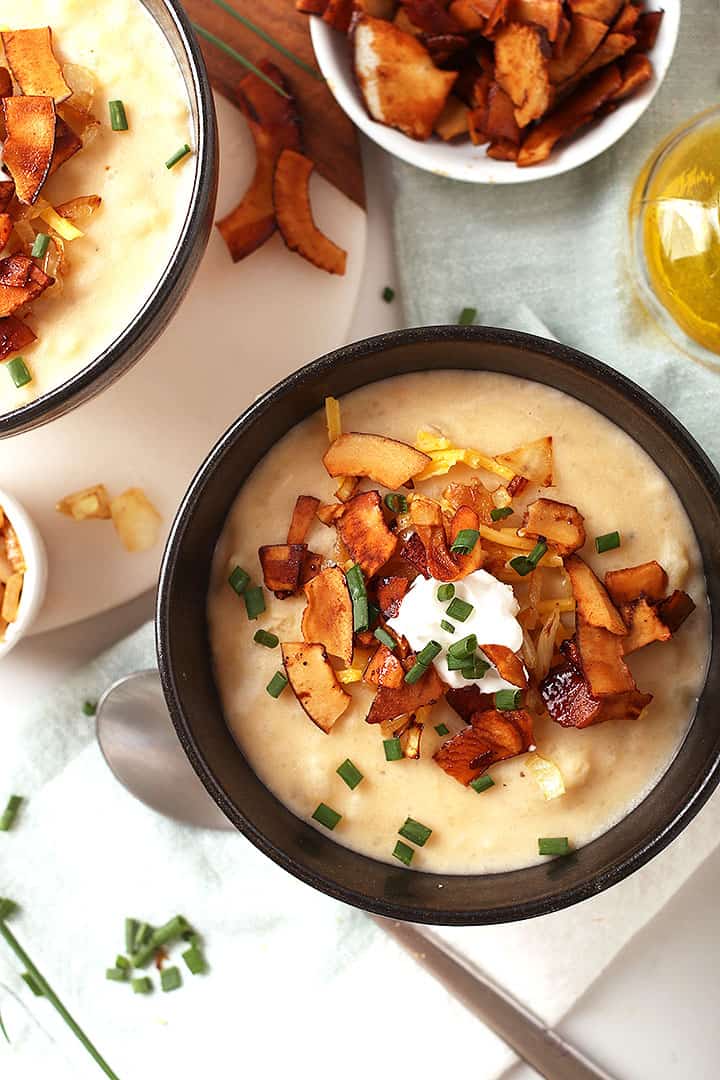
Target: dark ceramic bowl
point(154, 315)
point(186, 667)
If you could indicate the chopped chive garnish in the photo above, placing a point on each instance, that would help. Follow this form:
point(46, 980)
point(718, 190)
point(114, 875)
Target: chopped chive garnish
point(40, 245)
point(162, 935)
point(465, 541)
point(386, 639)
point(445, 592)
point(254, 601)
point(142, 935)
point(131, 926)
point(388, 294)
point(32, 983)
point(456, 663)
point(507, 699)
point(467, 316)
point(178, 156)
point(476, 668)
point(499, 513)
point(428, 653)
point(522, 565)
point(115, 974)
point(607, 542)
point(277, 684)
point(89, 708)
point(358, 595)
point(415, 832)
point(7, 907)
point(194, 960)
point(192, 938)
point(459, 609)
point(327, 816)
point(118, 116)
point(122, 962)
point(463, 648)
point(396, 504)
point(393, 749)
point(349, 773)
point(525, 564)
point(263, 637)
point(553, 845)
point(447, 626)
point(239, 580)
point(143, 985)
point(403, 852)
point(7, 818)
point(170, 979)
point(19, 372)
point(442, 729)
point(482, 783)
point(415, 673)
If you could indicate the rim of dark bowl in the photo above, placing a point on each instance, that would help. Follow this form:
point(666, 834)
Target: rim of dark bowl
point(616, 870)
point(148, 323)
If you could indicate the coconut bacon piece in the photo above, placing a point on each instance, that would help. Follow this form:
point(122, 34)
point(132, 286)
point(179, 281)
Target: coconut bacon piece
point(14, 297)
point(561, 524)
point(579, 109)
point(648, 580)
point(594, 606)
point(281, 566)
point(521, 69)
point(6, 227)
point(384, 669)
point(491, 737)
point(7, 193)
point(291, 197)
point(386, 461)
point(390, 593)
point(400, 84)
point(328, 617)
point(604, 10)
point(391, 702)
point(28, 148)
point(363, 530)
point(570, 702)
point(636, 71)
point(544, 13)
point(466, 700)
point(14, 336)
point(601, 656)
point(644, 625)
point(304, 513)
point(675, 609)
point(31, 59)
point(314, 683)
point(508, 665)
point(585, 36)
point(274, 126)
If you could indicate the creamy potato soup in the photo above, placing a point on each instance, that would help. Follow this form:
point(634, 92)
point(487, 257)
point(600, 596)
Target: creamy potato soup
point(127, 242)
point(518, 767)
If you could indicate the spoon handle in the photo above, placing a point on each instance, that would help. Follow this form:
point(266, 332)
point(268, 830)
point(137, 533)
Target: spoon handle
point(532, 1040)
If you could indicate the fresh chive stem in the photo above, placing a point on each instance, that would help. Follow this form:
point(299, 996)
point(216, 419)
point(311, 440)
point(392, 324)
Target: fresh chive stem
point(396, 504)
point(349, 774)
point(277, 684)
point(506, 700)
point(482, 783)
point(465, 541)
point(239, 580)
point(131, 927)
point(442, 729)
point(239, 57)
point(464, 648)
point(7, 818)
point(89, 708)
point(403, 852)
point(48, 992)
point(447, 626)
point(445, 592)
point(385, 638)
point(170, 931)
point(40, 245)
point(393, 749)
point(607, 542)
point(170, 979)
point(118, 116)
point(475, 668)
point(194, 960)
point(326, 816)
point(415, 832)
point(254, 601)
point(388, 294)
point(143, 985)
point(178, 156)
point(358, 595)
point(270, 40)
point(467, 316)
point(19, 372)
point(263, 637)
point(499, 513)
point(553, 845)
point(459, 609)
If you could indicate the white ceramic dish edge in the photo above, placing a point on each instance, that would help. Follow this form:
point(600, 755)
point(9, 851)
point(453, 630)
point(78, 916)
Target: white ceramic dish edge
point(470, 163)
point(35, 583)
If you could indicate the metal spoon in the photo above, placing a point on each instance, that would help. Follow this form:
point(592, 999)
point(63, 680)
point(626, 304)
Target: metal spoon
point(142, 750)
point(140, 745)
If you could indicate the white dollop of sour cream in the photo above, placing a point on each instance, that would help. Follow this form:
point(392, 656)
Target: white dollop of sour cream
point(492, 620)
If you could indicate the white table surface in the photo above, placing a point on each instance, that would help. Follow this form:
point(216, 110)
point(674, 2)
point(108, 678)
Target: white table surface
point(653, 1014)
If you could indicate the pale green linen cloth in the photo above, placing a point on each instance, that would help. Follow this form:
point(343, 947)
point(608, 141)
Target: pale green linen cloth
point(559, 245)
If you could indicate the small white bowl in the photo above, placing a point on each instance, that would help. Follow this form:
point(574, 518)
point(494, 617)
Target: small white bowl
point(463, 161)
point(35, 582)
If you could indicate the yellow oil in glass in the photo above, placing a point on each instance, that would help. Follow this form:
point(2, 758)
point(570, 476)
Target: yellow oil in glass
point(681, 231)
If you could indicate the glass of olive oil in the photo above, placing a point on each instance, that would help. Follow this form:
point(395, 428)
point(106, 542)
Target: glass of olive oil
point(675, 236)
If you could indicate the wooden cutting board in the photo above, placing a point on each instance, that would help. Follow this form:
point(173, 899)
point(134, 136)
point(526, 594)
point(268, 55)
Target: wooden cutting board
point(329, 136)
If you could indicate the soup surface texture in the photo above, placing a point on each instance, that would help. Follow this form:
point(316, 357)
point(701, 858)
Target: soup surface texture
point(129, 240)
point(607, 768)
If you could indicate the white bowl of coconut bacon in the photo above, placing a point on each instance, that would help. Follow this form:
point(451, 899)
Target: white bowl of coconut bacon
point(23, 572)
point(461, 159)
